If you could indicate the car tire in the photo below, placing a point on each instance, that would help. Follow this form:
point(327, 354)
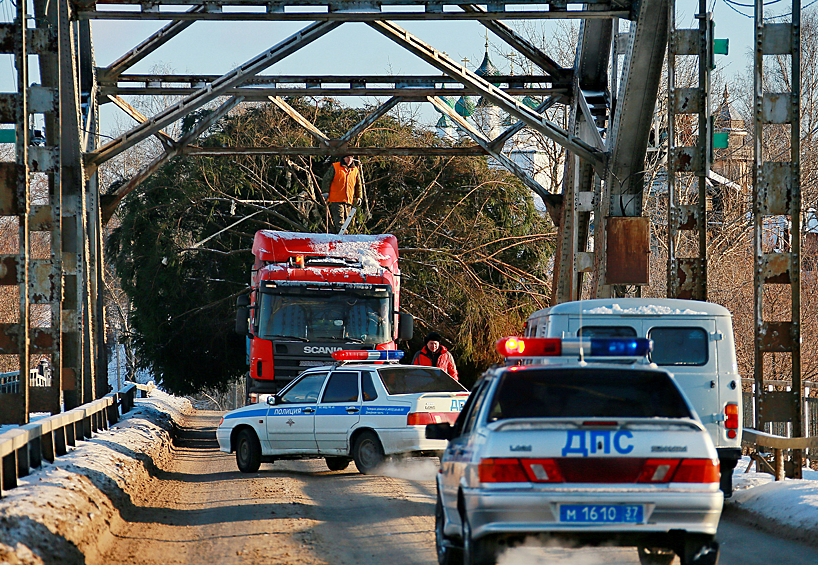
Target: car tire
point(447, 553)
point(655, 556)
point(248, 451)
point(481, 551)
point(337, 463)
point(368, 453)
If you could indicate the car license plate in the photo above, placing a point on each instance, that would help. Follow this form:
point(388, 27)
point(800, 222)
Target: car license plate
point(602, 513)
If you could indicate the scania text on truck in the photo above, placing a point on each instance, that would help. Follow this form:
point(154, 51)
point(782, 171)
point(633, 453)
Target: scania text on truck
point(313, 294)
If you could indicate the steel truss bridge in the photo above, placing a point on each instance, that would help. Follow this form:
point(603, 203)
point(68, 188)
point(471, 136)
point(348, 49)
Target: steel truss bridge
point(610, 94)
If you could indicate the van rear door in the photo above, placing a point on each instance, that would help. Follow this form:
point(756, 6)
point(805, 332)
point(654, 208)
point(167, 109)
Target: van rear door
point(687, 348)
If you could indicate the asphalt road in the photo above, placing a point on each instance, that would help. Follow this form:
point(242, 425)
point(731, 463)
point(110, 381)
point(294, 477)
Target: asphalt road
point(201, 509)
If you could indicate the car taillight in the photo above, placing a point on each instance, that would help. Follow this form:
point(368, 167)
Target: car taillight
point(542, 470)
point(658, 470)
point(502, 471)
point(423, 418)
point(731, 420)
point(221, 422)
point(697, 471)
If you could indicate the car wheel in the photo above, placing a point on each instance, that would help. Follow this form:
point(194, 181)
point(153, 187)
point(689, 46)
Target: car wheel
point(447, 553)
point(248, 452)
point(337, 463)
point(368, 453)
point(655, 556)
point(481, 551)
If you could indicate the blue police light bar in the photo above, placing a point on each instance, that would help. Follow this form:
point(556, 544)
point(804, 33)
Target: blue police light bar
point(364, 355)
point(519, 347)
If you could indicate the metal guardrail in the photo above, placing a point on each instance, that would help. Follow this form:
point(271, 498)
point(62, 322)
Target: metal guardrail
point(38, 376)
point(25, 447)
point(777, 444)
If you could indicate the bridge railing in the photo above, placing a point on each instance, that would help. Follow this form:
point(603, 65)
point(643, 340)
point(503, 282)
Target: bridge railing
point(760, 442)
point(38, 376)
point(24, 448)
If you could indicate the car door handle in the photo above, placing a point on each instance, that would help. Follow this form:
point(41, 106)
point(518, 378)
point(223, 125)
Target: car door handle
point(307, 410)
point(352, 410)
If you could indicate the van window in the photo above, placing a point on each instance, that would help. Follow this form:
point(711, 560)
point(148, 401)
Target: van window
point(606, 331)
point(679, 346)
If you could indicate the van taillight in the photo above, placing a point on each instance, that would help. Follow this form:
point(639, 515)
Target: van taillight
point(731, 420)
point(502, 471)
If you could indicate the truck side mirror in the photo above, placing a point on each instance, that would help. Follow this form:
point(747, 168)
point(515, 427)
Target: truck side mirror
point(406, 326)
point(242, 314)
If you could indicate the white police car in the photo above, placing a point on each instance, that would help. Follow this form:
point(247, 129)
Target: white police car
point(577, 454)
point(343, 412)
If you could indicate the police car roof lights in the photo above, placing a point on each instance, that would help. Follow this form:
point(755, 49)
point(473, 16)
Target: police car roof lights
point(363, 355)
point(519, 347)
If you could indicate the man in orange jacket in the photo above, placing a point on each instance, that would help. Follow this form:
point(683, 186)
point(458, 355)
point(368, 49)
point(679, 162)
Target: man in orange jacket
point(343, 182)
point(433, 354)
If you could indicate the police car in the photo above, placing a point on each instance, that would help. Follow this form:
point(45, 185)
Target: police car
point(577, 453)
point(347, 411)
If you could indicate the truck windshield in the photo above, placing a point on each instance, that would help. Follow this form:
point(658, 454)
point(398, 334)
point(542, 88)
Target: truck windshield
point(325, 316)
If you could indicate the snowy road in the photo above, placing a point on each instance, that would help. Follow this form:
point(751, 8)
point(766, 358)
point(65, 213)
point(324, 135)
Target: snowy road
point(200, 509)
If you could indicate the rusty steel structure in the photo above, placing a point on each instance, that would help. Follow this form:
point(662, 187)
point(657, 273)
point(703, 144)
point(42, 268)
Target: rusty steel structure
point(610, 94)
point(777, 198)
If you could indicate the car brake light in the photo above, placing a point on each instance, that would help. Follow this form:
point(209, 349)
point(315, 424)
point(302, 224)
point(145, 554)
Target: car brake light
point(697, 471)
point(502, 471)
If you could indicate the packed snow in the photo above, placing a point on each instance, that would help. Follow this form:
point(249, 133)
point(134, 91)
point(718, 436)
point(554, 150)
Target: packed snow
point(645, 310)
point(62, 512)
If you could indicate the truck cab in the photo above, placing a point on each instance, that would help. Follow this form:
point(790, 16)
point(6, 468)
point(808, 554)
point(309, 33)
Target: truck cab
point(693, 340)
point(314, 294)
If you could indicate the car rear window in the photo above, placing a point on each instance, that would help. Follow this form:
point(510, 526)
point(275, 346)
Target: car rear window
point(587, 393)
point(410, 380)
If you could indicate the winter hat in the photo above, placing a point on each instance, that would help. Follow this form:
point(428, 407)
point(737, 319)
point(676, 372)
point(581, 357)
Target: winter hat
point(433, 336)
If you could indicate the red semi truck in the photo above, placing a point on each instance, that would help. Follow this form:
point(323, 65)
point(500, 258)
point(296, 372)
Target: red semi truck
point(312, 294)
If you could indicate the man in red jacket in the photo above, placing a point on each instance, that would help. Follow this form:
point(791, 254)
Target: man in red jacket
point(433, 354)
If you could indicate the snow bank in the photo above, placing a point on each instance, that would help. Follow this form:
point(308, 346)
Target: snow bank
point(62, 512)
point(790, 505)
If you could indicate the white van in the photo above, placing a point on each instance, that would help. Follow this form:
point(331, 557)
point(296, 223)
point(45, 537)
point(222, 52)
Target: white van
point(691, 339)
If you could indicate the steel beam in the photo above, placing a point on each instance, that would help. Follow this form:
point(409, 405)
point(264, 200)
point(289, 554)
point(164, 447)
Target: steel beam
point(139, 117)
point(552, 201)
point(628, 134)
point(147, 47)
point(521, 44)
point(296, 116)
point(370, 119)
point(322, 151)
point(257, 93)
point(687, 276)
point(492, 93)
point(777, 193)
point(213, 91)
point(110, 202)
